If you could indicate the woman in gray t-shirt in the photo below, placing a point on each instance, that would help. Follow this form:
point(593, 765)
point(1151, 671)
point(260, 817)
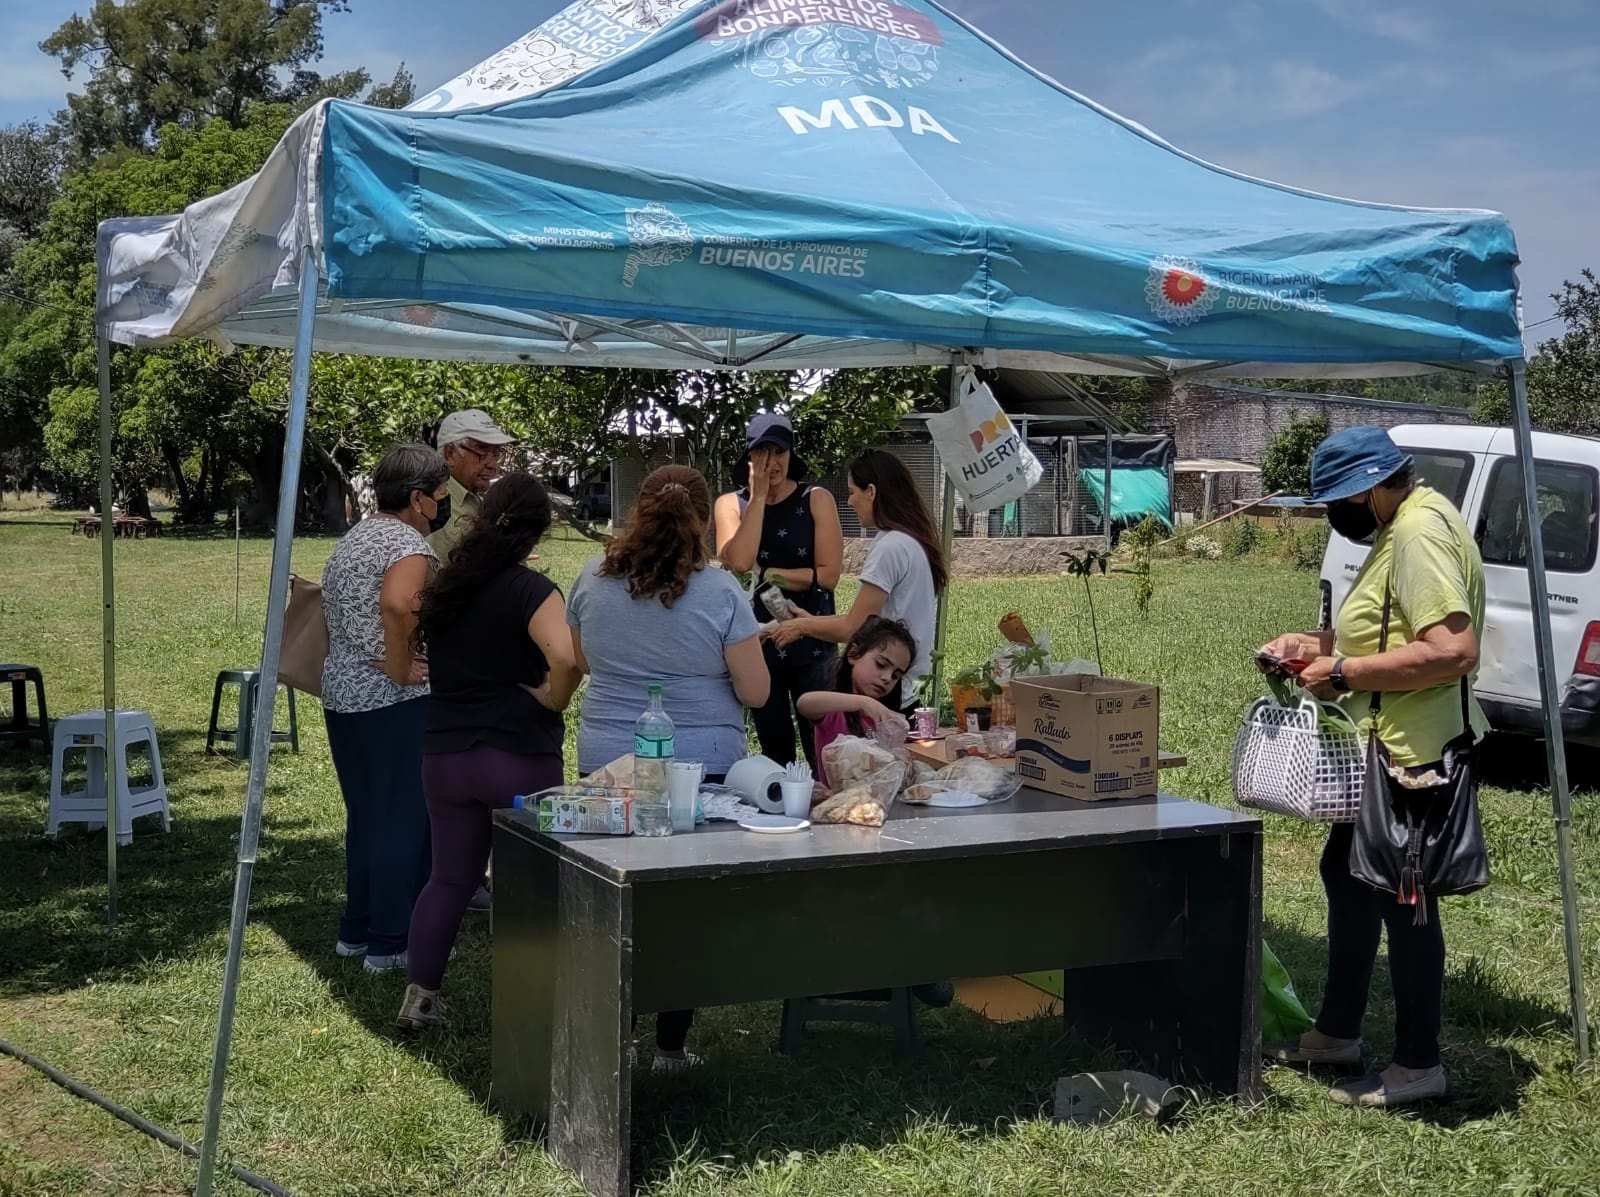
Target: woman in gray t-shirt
point(654, 610)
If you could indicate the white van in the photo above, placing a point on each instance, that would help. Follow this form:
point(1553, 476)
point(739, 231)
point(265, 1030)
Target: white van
point(1476, 468)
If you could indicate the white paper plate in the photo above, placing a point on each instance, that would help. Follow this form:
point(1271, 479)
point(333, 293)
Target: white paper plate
point(774, 824)
point(956, 798)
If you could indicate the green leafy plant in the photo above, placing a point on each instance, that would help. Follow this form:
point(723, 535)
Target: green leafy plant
point(1141, 541)
point(1242, 537)
point(1286, 464)
point(1081, 565)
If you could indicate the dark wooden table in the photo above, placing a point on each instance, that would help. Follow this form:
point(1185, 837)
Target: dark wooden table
point(1153, 906)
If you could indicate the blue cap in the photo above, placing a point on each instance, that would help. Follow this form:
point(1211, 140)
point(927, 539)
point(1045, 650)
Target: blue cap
point(1353, 461)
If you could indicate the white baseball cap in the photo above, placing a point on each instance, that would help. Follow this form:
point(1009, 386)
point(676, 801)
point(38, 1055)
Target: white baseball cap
point(472, 425)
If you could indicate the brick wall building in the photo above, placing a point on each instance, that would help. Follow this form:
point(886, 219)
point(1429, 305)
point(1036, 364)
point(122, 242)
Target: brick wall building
point(1214, 420)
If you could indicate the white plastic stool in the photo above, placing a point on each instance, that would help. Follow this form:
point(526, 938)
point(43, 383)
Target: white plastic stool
point(86, 733)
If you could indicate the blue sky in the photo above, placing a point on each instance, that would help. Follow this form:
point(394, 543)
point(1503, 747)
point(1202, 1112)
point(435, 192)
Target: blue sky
point(1454, 103)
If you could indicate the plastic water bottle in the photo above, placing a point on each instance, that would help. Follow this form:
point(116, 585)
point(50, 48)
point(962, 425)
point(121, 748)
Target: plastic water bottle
point(653, 748)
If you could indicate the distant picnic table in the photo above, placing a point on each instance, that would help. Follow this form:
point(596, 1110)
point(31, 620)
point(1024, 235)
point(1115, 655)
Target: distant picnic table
point(135, 526)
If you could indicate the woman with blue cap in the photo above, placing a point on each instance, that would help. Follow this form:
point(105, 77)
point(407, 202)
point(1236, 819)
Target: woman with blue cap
point(1423, 577)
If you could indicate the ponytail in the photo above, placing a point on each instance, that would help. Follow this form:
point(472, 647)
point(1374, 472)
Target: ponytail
point(665, 540)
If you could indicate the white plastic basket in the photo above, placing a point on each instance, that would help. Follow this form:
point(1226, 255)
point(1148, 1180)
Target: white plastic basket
point(1308, 761)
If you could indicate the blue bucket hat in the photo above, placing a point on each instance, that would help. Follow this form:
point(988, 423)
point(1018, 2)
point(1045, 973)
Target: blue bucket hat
point(1352, 461)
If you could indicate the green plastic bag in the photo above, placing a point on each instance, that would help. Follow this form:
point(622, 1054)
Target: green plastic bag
point(1283, 1018)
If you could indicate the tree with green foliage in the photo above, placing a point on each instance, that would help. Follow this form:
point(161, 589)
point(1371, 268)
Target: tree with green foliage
point(153, 63)
point(1564, 375)
point(30, 180)
point(1286, 465)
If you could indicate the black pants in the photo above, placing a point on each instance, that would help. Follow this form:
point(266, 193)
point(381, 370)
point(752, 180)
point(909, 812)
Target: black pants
point(672, 1026)
point(1356, 915)
point(378, 757)
point(796, 673)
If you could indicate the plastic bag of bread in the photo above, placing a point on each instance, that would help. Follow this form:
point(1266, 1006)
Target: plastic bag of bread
point(918, 772)
point(855, 804)
point(618, 773)
point(981, 777)
point(853, 761)
point(853, 758)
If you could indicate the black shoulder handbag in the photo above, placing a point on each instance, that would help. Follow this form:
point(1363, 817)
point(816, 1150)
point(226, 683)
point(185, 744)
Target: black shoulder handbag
point(1416, 843)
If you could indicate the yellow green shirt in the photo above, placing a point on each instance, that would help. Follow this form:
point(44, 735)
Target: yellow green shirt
point(464, 508)
point(1434, 570)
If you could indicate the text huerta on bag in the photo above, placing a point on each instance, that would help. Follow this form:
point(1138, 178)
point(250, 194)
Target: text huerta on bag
point(985, 458)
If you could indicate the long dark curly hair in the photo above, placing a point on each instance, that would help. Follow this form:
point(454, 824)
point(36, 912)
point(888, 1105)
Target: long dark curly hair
point(515, 515)
point(665, 540)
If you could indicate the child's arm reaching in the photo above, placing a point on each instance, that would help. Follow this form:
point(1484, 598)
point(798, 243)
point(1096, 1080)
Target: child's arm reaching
point(818, 704)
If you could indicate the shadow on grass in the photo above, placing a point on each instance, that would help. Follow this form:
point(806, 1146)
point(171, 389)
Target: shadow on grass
point(1481, 1010)
point(174, 888)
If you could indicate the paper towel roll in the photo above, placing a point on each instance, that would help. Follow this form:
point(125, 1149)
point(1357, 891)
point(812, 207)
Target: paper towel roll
point(758, 779)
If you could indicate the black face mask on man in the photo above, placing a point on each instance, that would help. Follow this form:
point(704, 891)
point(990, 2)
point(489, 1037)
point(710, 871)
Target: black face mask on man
point(441, 515)
point(1353, 519)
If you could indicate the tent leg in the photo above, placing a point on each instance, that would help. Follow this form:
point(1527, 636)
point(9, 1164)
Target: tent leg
point(108, 622)
point(947, 534)
point(1554, 742)
point(261, 737)
point(1105, 511)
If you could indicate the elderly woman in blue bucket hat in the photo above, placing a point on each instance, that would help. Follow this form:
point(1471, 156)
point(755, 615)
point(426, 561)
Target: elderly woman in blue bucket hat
point(1427, 563)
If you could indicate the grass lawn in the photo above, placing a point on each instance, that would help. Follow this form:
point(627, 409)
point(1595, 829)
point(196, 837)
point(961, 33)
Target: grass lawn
point(324, 1098)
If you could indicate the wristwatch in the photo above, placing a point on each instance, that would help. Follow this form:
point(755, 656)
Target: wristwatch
point(1336, 677)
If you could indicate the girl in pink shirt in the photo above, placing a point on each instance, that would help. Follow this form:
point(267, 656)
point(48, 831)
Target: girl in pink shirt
point(869, 672)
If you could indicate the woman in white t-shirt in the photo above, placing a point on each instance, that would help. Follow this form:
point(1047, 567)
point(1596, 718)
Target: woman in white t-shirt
point(904, 571)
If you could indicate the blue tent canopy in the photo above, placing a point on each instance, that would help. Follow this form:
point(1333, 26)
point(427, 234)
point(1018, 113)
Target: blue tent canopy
point(766, 184)
point(771, 183)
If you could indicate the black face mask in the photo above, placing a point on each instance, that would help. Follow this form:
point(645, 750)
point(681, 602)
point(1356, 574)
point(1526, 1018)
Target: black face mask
point(1353, 520)
point(441, 517)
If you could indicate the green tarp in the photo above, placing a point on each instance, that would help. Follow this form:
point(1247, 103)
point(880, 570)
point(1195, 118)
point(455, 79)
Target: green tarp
point(1136, 491)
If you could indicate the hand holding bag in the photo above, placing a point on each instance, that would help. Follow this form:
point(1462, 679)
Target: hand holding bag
point(1416, 843)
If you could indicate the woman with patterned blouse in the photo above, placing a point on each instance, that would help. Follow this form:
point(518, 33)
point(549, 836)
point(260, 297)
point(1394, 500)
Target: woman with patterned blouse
point(374, 694)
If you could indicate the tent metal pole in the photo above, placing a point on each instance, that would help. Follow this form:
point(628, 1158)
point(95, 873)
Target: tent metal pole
point(261, 731)
point(947, 535)
point(1554, 742)
point(1105, 512)
point(108, 620)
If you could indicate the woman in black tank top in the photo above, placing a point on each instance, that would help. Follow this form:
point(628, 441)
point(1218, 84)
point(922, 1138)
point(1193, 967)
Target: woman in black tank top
point(787, 534)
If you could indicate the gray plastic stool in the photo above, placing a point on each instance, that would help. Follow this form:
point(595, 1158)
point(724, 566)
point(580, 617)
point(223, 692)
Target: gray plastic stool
point(21, 727)
point(249, 683)
point(885, 1007)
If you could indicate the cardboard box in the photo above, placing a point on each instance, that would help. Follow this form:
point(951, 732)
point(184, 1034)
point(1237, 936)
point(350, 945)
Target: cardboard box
point(1088, 737)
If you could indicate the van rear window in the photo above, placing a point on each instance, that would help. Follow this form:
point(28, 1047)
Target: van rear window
point(1569, 497)
point(1448, 473)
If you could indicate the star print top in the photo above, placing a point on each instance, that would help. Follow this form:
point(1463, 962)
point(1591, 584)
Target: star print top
point(789, 541)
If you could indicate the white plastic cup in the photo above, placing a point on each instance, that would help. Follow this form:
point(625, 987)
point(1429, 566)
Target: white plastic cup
point(683, 790)
point(797, 798)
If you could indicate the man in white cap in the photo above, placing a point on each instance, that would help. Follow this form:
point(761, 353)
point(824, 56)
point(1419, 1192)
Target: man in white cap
point(474, 447)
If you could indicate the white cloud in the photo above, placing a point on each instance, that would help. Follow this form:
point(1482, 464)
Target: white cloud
point(1384, 20)
point(1185, 82)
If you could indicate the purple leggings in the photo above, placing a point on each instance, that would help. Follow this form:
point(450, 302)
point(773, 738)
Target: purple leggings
point(461, 789)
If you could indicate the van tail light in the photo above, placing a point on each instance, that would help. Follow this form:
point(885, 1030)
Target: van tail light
point(1589, 652)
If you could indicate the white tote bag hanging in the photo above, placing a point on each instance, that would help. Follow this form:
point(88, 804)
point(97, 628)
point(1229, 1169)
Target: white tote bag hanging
point(983, 455)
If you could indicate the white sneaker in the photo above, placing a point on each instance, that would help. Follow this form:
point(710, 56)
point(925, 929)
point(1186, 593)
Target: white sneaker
point(421, 1008)
point(1376, 1092)
point(681, 1062)
point(481, 900)
point(383, 964)
point(349, 949)
point(1328, 1051)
